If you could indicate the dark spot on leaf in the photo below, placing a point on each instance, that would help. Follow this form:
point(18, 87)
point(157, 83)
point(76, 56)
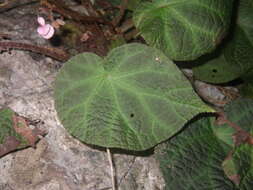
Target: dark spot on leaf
point(131, 115)
point(214, 70)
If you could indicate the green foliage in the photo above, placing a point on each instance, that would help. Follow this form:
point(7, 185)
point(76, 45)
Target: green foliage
point(184, 30)
point(136, 97)
point(194, 158)
point(133, 99)
point(235, 58)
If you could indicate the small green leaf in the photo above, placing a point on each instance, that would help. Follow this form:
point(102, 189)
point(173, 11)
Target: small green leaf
point(133, 99)
point(10, 140)
point(15, 133)
point(243, 158)
point(183, 29)
point(6, 126)
point(235, 58)
point(193, 159)
point(225, 134)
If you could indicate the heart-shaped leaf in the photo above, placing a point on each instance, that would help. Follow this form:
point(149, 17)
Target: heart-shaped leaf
point(235, 58)
point(183, 29)
point(133, 99)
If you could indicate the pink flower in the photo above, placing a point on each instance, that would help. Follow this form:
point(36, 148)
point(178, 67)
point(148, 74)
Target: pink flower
point(45, 30)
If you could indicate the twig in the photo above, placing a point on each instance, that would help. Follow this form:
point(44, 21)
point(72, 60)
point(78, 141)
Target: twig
point(60, 7)
point(123, 7)
point(5, 36)
point(112, 169)
point(10, 4)
point(126, 25)
point(55, 53)
point(89, 7)
point(131, 35)
point(127, 172)
point(6, 2)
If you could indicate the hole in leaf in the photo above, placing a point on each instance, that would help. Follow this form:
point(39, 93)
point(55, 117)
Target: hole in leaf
point(131, 115)
point(214, 70)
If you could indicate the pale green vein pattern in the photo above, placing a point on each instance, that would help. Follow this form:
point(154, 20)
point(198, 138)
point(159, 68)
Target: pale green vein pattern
point(235, 59)
point(133, 99)
point(183, 29)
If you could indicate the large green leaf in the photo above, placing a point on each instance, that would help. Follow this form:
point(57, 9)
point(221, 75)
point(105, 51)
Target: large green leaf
point(133, 99)
point(193, 159)
point(183, 29)
point(235, 59)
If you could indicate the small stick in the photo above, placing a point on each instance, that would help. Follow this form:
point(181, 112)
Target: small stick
point(126, 25)
point(122, 10)
point(5, 36)
point(127, 172)
point(131, 35)
point(112, 169)
point(55, 53)
point(9, 4)
point(60, 7)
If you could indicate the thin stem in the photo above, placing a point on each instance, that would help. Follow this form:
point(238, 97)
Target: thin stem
point(60, 7)
point(122, 10)
point(112, 169)
point(131, 35)
point(127, 172)
point(126, 25)
point(55, 53)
